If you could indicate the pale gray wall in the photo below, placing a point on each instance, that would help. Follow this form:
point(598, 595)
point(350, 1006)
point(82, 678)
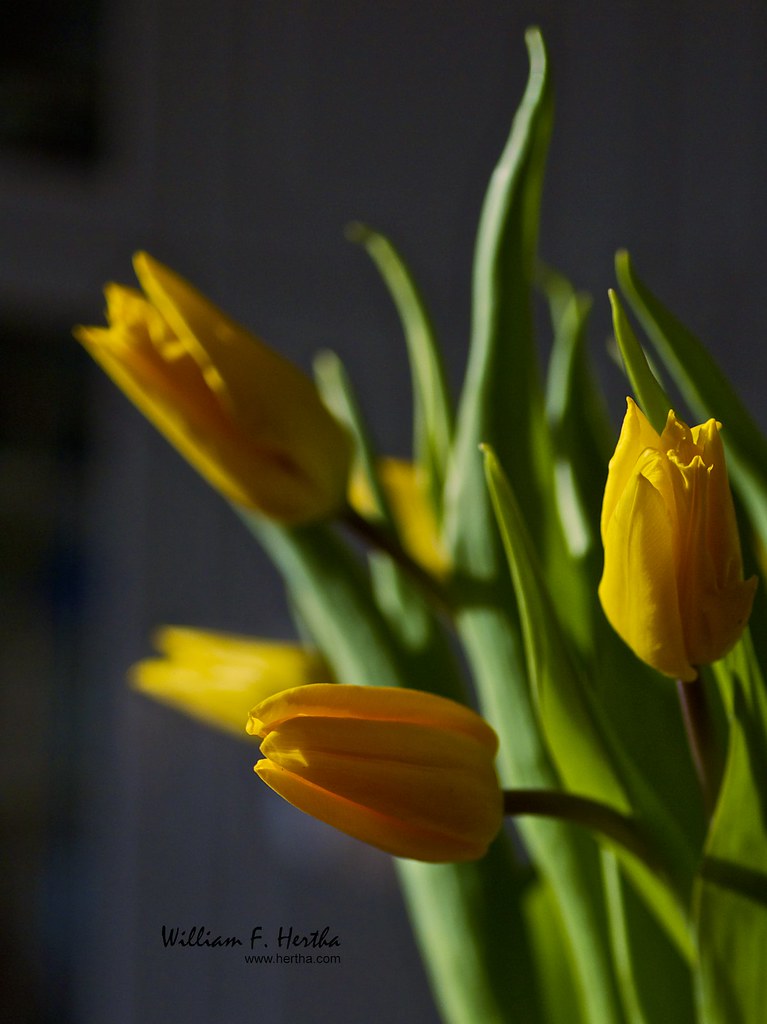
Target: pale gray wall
point(244, 135)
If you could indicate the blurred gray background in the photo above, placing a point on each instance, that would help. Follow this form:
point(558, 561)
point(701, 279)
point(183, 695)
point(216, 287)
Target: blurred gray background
point(233, 139)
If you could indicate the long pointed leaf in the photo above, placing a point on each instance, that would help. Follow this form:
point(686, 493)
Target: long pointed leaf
point(647, 390)
point(502, 402)
point(433, 414)
point(337, 393)
point(404, 608)
point(580, 439)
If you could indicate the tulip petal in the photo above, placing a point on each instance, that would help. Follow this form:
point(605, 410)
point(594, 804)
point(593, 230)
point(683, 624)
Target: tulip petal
point(248, 420)
point(636, 435)
point(387, 832)
point(723, 617)
point(402, 769)
point(303, 448)
point(217, 677)
point(215, 698)
point(232, 359)
point(638, 588)
point(722, 537)
point(283, 659)
point(394, 741)
point(175, 398)
point(382, 703)
point(406, 492)
point(406, 489)
point(714, 601)
point(141, 354)
point(426, 795)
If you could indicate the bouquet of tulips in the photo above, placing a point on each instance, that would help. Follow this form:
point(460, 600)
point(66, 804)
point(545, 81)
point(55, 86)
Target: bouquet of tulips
point(608, 699)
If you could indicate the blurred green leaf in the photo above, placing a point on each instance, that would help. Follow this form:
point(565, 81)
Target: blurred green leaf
point(576, 412)
point(460, 950)
point(731, 889)
point(331, 590)
point(644, 953)
point(566, 856)
point(580, 438)
point(337, 393)
point(502, 400)
point(502, 403)
point(403, 606)
point(553, 959)
point(433, 414)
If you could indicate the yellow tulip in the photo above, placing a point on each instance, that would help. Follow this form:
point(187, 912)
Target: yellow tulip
point(411, 507)
point(403, 770)
point(248, 420)
point(673, 583)
point(217, 677)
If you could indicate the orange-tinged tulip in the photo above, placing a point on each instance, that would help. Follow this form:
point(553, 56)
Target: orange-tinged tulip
point(411, 507)
point(248, 420)
point(217, 677)
point(403, 770)
point(673, 583)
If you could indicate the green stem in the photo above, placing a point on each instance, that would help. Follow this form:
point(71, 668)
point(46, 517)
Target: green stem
point(591, 814)
point(699, 727)
point(377, 536)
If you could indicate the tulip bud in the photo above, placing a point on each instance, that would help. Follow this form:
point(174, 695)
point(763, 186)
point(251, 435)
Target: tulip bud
point(248, 420)
point(217, 677)
point(403, 770)
point(672, 585)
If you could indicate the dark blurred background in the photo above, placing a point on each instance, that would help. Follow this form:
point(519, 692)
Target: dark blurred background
point(233, 139)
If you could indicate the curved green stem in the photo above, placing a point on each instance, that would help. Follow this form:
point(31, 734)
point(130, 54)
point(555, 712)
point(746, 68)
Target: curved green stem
point(698, 725)
point(379, 537)
point(591, 814)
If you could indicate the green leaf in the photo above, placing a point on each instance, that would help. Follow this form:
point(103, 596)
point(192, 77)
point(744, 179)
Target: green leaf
point(653, 400)
point(337, 393)
point(575, 736)
point(566, 856)
point(433, 414)
point(731, 889)
point(643, 954)
point(332, 593)
point(561, 1004)
point(580, 439)
point(460, 949)
point(705, 389)
point(502, 402)
point(401, 604)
